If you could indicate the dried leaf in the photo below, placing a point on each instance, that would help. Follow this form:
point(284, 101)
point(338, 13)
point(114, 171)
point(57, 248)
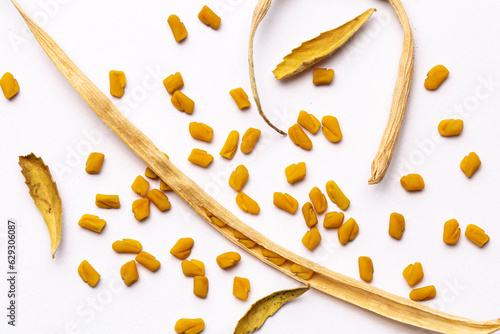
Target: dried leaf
point(44, 192)
point(266, 307)
point(316, 49)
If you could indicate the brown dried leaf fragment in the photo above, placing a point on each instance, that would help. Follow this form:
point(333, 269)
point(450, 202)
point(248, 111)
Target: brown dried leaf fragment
point(266, 307)
point(316, 49)
point(44, 192)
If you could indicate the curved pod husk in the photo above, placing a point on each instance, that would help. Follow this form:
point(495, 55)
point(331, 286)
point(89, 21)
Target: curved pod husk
point(324, 280)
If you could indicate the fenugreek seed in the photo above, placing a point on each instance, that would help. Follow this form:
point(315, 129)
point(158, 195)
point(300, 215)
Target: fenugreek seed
point(285, 202)
point(117, 83)
point(421, 294)
point(365, 265)
point(193, 268)
point(129, 273)
point(413, 273)
point(249, 139)
point(182, 103)
point(322, 76)
point(247, 204)
point(231, 145)
point(91, 222)
point(451, 232)
point(148, 261)
point(140, 208)
point(413, 182)
point(200, 286)
point(301, 271)
point(107, 201)
point(201, 131)
point(88, 274)
point(308, 122)
point(127, 246)
point(240, 98)
point(189, 326)
point(337, 196)
point(159, 199)
point(182, 248)
point(94, 163)
point(228, 259)
point(173, 82)
point(435, 77)
point(200, 157)
point(178, 29)
point(348, 231)
point(140, 186)
point(476, 234)
point(312, 238)
point(295, 172)
point(9, 85)
point(241, 287)
point(333, 220)
point(299, 137)
point(309, 215)
point(238, 178)
point(331, 129)
point(208, 17)
point(396, 225)
point(150, 174)
point(450, 127)
point(470, 164)
point(244, 240)
point(318, 199)
point(273, 257)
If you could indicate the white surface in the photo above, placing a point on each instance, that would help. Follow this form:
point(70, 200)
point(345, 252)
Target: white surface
point(51, 120)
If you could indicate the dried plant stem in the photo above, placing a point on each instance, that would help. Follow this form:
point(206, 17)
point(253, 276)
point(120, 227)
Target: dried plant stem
point(259, 13)
point(399, 100)
point(324, 280)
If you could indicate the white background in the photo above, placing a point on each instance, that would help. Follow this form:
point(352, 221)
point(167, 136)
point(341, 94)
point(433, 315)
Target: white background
point(51, 120)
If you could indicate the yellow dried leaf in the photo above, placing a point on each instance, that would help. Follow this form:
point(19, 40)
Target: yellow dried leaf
point(44, 192)
point(316, 49)
point(266, 307)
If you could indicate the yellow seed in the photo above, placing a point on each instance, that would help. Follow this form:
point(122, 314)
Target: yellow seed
point(238, 178)
point(189, 326)
point(450, 127)
point(244, 240)
point(173, 82)
point(214, 219)
point(208, 17)
point(318, 199)
point(308, 122)
point(396, 225)
point(231, 145)
point(249, 139)
point(273, 257)
point(333, 220)
point(107, 201)
point(337, 196)
point(331, 129)
point(247, 204)
point(228, 259)
point(127, 246)
point(150, 174)
point(413, 182)
point(470, 164)
point(91, 222)
point(94, 163)
point(365, 265)
point(295, 172)
point(140, 186)
point(182, 102)
point(476, 234)
point(178, 29)
point(159, 199)
point(9, 85)
point(88, 273)
point(322, 76)
point(240, 98)
point(451, 232)
point(348, 231)
point(413, 273)
point(435, 77)
point(117, 82)
point(140, 208)
point(301, 271)
point(200, 157)
point(182, 248)
point(312, 238)
point(164, 186)
point(201, 131)
point(309, 215)
point(299, 137)
point(129, 273)
point(285, 202)
point(148, 261)
point(193, 268)
point(241, 287)
point(200, 286)
point(421, 294)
